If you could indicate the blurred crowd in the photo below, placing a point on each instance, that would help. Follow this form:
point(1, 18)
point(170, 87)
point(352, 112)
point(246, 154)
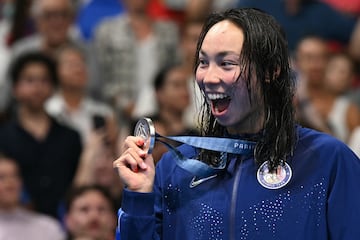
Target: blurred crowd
point(76, 75)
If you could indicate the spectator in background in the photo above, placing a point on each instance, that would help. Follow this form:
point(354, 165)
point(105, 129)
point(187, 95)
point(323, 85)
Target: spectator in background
point(173, 97)
point(131, 48)
point(53, 19)
point(341, 114)
point(300, 18)
point(311, 58)
point(16, 222)
point(190, 32)
point(15, 24)
point(22, 24)
point(47, 152)
point(71, 105)
point(90, 214)
point(94, 120)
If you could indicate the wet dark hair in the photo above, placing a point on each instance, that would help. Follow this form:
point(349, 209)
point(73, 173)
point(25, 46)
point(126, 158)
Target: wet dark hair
point(75, 192)
point(265, 55)
point(23, 60)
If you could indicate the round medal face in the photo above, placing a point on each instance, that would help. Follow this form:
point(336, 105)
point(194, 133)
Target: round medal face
point(274, 180)
point(145, 128)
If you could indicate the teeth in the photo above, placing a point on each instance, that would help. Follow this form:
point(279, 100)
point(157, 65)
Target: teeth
point(216, 96)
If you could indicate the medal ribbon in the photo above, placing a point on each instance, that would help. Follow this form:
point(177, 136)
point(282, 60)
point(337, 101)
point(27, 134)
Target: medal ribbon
point(201, 169)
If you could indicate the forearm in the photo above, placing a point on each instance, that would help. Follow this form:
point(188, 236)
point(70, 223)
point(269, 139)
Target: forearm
point(137, 216)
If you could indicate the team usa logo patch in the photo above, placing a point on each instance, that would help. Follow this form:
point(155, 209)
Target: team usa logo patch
point(276, 179)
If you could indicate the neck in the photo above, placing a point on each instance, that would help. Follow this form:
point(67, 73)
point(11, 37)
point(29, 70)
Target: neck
point(26, 113)
point(251, 125)
point(50, 48)
point(36, 122)
point(72, 97)
point(316, 92)
point(141, 25)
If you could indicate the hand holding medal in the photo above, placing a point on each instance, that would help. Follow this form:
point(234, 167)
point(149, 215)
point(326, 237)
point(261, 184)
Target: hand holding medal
point(136, 166)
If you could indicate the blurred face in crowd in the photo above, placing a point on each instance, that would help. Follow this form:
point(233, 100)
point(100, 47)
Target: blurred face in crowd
point(10, 184)
point(218, 77)
point(174, 94)
point(311, 60)
point(72, 69)
point(104, 172)
point(53, 18)
point(189, 40)
point(34, 86)
point(339, 74)
point(91, 216)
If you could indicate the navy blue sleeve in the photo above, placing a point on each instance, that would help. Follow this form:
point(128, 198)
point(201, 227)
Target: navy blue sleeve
point(137, 218)
point(344, 197)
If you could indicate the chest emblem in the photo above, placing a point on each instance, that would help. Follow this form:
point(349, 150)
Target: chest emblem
point(276, 179)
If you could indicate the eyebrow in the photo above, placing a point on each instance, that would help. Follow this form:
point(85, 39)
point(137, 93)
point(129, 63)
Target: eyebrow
point(221, 54)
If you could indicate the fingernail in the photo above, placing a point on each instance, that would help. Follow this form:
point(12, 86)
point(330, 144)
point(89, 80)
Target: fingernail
point(136, 169)
point(143, 165)
point(139, 142)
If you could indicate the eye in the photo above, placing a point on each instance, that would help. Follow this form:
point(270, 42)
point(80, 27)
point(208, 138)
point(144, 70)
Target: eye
point(229, 63)
point(203, 62)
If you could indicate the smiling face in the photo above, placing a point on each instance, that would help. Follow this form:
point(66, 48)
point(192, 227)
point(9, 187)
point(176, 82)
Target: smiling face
point(218, 76)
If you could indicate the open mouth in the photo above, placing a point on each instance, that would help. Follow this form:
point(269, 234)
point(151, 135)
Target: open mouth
point(219, 101)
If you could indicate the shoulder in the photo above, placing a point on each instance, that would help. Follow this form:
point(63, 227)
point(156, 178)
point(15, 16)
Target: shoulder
point(97, 107)
point(322, 146)
point(313, 139)
point(166, 27)
point(64, 130)
point(27, 44)
point(111, 23)
point(47, 225)
point(8, 128)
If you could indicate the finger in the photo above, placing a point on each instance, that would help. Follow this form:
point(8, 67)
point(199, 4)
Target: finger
point(139, 156)
point(134, 142)
point(130, 159)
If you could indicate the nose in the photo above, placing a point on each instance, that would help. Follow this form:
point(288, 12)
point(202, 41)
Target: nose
point(211, 75)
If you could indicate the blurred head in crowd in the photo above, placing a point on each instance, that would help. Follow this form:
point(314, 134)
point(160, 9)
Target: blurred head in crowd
point(53, 19)
point(34, 77)
point(10, 183)
point(72, 68)
point(311, 59)
point(172, 91)
point(90, 213)
point(189, 36)
point(339, 73)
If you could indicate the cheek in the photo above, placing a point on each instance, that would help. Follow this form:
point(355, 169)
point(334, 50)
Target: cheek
point(199, 77)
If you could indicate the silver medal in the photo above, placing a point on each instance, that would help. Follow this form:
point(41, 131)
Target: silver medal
point(145, 128)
